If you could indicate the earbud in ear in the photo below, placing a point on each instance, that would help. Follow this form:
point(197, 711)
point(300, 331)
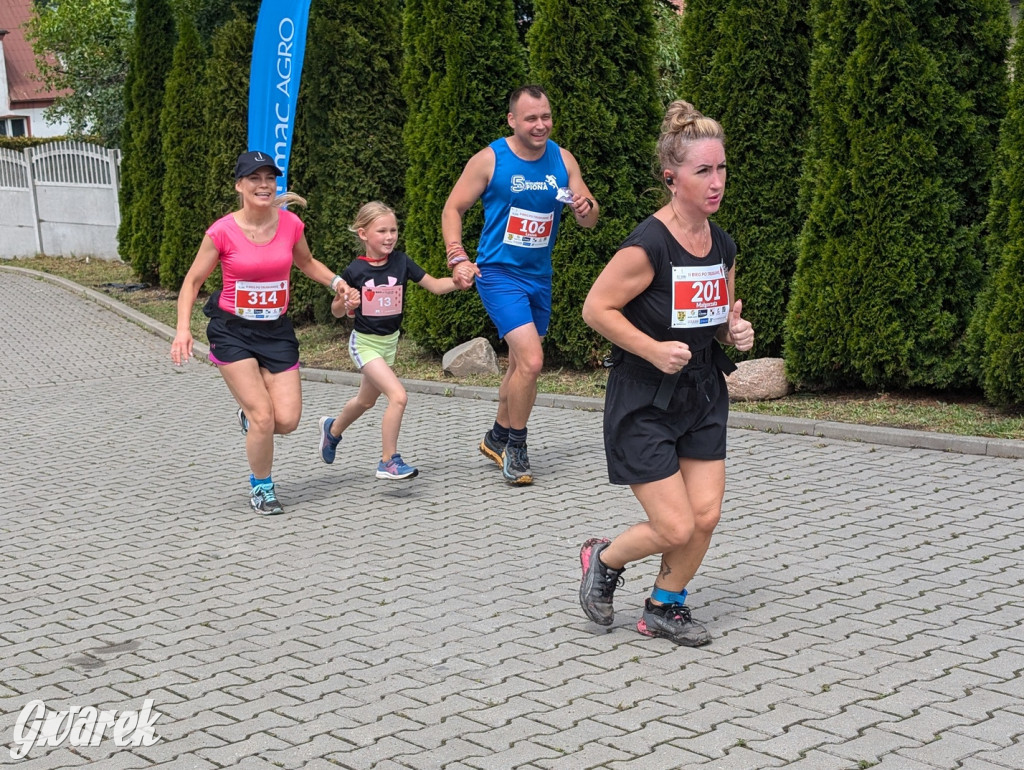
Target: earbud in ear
point(669, 179)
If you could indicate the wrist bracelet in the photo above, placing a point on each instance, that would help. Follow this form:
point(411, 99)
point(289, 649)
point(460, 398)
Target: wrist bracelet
point(590, 203)
point(455, 255)
point(334, 283)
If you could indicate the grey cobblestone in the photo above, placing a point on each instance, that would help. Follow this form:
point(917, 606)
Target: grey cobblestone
point(864, 598)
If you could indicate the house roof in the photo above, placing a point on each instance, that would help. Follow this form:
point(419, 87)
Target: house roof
point(24, 89)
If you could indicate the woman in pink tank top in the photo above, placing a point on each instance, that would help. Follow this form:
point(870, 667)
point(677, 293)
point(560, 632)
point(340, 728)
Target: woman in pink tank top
point(251, 337)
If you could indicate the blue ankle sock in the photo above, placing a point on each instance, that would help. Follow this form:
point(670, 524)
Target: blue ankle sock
point(255, 482)
point(661, 596)
point(517, 437)
point(499, 433)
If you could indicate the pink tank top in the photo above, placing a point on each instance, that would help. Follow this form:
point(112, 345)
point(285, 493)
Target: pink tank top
point(256, 275)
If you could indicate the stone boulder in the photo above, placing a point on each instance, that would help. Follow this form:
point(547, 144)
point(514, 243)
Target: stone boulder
point(473, 357)
point(759, 379)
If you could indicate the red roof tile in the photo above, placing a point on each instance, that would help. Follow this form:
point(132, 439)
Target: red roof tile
point(24, 89)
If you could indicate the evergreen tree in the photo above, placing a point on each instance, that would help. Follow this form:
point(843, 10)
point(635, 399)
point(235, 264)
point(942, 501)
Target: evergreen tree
point(669, 50)
point(143, 164)
point(348, 138)
point(462, 60)
point(125, 192)
point(756, 87)
point(185, 135)
point(596, 60)
point(226, 104)
point(999, 315)
point(699, 42)
point(871, 301)
point(969, 39)
point(211, 15)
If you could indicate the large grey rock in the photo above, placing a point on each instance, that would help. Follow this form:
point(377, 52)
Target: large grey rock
point(473, 357)
point(759, 379)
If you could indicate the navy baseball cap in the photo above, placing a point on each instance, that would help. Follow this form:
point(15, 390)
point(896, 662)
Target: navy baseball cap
point(248, 162)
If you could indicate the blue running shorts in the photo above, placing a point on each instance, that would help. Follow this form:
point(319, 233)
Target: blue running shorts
point(513, 300)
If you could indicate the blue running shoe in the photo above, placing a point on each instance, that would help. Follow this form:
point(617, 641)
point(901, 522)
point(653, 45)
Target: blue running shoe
point(328, 443)
point(395, 468)
point(264, 500)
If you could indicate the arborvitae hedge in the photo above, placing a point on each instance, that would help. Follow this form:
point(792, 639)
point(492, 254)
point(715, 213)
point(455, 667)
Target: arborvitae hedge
point(226, 102)
point(756, 86)
point(348, 139)
point(668, 55)
point(185, 136)
point(125, 192)
point(871, 303)
point(970, 41)
point(462, 60)
point(142, 166)
point(596, 60)
point(999, 315)
point(700, 40)
point(211, 15)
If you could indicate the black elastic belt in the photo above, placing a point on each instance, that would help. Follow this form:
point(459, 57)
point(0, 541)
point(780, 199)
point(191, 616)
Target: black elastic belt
point(666, 389)
point(667, 383)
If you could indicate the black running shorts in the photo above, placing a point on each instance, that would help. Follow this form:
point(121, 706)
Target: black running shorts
point(643, 443)
point(271, 343)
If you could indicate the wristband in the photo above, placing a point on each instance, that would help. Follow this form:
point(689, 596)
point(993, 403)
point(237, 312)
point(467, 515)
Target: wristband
point(334, 283)
point(456, 254)
point(590, 203)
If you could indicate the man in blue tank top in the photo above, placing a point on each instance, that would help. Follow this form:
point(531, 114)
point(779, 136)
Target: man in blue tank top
point(523, 181)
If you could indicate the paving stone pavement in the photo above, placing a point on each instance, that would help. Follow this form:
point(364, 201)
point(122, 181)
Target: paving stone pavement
point(865, 600)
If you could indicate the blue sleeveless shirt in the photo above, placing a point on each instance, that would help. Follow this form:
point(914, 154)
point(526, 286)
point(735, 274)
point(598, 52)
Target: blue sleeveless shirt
point(521, 214)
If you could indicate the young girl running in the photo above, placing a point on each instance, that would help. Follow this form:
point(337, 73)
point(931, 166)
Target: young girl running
point(380, 276)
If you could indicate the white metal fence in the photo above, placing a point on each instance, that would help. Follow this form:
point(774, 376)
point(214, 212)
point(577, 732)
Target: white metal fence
point(59, 199)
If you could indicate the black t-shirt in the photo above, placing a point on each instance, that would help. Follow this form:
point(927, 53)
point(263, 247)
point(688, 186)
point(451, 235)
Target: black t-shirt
point(382, 291)
point(684, 290)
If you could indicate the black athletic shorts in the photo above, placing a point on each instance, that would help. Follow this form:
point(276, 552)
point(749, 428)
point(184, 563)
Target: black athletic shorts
point(271, 343)
point(644, 443)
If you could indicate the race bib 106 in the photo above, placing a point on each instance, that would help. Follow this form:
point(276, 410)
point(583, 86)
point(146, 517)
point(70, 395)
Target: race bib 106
point(261, 300)
point(700, 296)
point(528, 229)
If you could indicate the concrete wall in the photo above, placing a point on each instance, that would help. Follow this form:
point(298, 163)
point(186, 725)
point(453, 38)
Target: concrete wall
point(59, 199)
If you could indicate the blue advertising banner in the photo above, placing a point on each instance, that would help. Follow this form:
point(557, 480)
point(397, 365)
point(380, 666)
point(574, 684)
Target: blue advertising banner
point(277, 52)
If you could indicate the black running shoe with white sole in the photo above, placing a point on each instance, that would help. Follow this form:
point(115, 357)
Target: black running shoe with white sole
point(672, 621)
